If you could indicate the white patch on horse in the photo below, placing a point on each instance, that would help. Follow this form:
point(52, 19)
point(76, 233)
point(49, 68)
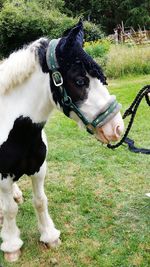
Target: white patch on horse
point(49, 234)
point(18, 67)
point(98, 97)
point(10, 233)
point(26, 100)
point(17, 195)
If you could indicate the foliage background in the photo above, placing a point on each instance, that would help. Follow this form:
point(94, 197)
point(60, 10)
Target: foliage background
point(109, 13)
point(22, 21)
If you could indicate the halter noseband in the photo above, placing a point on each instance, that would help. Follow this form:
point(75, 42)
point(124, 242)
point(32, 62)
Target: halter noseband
point(108, 112)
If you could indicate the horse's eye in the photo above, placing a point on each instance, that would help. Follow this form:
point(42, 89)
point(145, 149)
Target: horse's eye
point(80, 82)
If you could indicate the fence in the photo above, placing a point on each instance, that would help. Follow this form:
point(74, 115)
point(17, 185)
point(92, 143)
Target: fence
point(140, 37)
point(130, 36)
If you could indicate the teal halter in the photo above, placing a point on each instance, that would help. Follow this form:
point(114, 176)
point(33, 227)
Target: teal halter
point(104, 116)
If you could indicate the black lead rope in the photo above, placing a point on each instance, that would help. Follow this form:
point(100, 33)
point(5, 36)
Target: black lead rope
point(132, 111)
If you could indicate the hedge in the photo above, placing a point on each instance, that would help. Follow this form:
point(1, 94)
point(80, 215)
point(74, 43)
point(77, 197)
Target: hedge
point(22, 23)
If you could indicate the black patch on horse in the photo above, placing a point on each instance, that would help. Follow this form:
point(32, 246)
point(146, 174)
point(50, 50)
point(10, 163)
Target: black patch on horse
point(24, 151)
point(42, 54)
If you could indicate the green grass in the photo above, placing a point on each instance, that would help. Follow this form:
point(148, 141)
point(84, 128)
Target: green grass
point(96, 195)
point(124, 60)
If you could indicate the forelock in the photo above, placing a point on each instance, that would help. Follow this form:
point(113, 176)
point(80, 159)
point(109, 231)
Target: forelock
point(76, 52)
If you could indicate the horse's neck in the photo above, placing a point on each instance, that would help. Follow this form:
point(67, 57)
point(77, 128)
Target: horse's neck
point(38, 94)
point(35, 96)
point(30, 99)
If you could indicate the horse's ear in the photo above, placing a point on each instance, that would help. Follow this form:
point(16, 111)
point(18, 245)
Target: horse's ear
point(75, 35)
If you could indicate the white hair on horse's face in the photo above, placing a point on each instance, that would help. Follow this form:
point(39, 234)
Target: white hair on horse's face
point(98, 96)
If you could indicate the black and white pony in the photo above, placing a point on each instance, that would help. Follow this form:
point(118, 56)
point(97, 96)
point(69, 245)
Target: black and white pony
point(33, 81)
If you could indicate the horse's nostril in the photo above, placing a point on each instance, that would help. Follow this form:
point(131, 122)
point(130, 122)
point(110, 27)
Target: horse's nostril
point(118, 131)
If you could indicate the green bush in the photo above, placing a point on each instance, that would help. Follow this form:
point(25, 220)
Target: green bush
point(50, 4)
point(1, 3)
point(21, 23)
point(92, 32)
point(97, 48)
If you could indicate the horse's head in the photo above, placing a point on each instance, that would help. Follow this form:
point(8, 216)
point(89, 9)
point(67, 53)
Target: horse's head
point(84, 92)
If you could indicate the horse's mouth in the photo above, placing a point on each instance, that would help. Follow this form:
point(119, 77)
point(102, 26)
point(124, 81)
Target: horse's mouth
point(100, 136)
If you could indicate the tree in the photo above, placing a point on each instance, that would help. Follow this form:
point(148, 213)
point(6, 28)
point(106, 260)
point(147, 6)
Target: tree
point(109, 13)
point(51, 4)
point(139, 13)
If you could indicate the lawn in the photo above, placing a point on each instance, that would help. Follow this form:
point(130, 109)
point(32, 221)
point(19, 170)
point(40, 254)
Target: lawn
point(96, 195)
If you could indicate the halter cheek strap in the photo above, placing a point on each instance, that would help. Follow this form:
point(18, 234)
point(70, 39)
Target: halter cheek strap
point(110, 110)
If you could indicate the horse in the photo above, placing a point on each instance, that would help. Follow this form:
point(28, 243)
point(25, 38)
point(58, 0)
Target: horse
point(39, 77)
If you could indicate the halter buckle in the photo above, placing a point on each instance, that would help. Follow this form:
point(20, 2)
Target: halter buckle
point(57, 78)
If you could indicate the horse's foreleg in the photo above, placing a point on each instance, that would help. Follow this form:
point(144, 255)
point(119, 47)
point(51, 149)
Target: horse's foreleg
point(49, 234)
point(10, 233)
point(17, 195)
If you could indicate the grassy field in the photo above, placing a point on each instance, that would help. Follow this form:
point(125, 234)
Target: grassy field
point(124, 60)
point(96, 195)
point(120, 60)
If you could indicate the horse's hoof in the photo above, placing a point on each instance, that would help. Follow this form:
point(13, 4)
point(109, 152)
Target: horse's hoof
point(53, 244)
point(12, 256)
